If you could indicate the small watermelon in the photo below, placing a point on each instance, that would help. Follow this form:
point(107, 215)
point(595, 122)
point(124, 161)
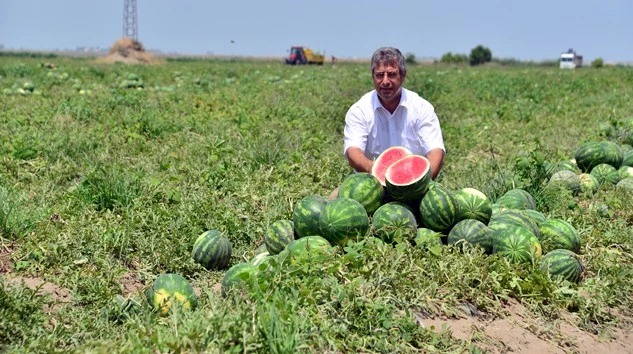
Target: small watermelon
point(239, 275)
point(471, 232)
point(310, 250)
point(365, 189)
point(385, 160)
point(342, 220)
point(279, 235)
point(625, 172)
point(516, 243)
point(439, 210)
point(567, 179)
point(625, 184)
point(169, 290)
point(427, 238)
point(558, 233)
point(562, 263)
point(261, 258)
point(394, 223)
point(517, 198)
point(306, 214)
point(212, 250)
point(474, 204)
point(588, 183)
point(605, 174)
point(408, 178)
point(627, 160)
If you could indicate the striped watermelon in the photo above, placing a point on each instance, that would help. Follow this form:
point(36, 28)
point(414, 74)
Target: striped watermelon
point(212, 250)
point(342, 220)
point(261, 258)
point(408, 178)
point(385, 160)
point(516, 218)
point(306, 214)
point(552, 167)
point(625, 184)
point(588, 183)
point(365, 189)
point(563, 264)
point(534, 215)
point(279, 235)
point(558, 233)
point(426, 238)
point(394, 223)
point(517, 198)
point(516, 243)
point(241, 275)
point(169, 290)
point(605, 174)
point(472, 232)
point(474, 204)
point(627, 160)
point(591, 154)
point(310, 249)
point(439, 210)
point(625, 172)
point(567, 179)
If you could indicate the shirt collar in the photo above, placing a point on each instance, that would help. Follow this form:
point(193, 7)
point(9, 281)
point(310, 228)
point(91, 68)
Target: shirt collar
point(375, 102)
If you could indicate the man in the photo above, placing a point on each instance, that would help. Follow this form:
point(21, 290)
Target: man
point(390, 116)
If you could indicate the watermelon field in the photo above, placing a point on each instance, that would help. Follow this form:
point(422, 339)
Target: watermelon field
point(154, 209)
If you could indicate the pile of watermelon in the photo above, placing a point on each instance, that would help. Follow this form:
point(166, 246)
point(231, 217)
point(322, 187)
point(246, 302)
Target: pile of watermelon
point(595, 164)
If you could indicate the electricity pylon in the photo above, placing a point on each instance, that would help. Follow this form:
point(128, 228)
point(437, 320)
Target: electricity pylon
point(130, 23)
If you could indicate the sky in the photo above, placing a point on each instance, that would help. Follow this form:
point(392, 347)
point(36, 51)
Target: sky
point(533, 30)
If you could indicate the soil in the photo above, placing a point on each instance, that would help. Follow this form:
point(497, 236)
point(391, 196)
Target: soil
point(519, 332)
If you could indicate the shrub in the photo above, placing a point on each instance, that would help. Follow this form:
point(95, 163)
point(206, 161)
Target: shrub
point(450, 58)
point(480, 55)
point(410, 58)
point(597, 63)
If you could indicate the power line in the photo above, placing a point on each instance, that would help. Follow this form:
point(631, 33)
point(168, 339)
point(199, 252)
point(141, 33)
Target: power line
point(130, 21)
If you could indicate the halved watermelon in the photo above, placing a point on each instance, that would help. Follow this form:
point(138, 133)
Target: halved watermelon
point(388, 157)
point(408, 178)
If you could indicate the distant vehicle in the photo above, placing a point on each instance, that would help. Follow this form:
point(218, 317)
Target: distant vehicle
point(304, 55)
point(570, 60)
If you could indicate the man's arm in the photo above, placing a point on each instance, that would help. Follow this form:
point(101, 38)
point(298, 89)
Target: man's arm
point(358, 160)
point(436, 158)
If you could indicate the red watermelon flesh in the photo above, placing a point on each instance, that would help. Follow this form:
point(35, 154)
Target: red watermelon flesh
point(408, 178)
point(386, 159)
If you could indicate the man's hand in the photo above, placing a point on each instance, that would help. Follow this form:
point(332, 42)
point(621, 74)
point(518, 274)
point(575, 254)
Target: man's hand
point(436, 158)
point(358, 160)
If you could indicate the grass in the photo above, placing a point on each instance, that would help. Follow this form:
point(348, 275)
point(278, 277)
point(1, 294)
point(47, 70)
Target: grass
point(118, 181)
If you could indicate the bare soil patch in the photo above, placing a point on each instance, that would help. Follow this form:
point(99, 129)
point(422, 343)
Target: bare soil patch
point(6, 261)
point(58, 294)
point(520, 332)
point(131, 284)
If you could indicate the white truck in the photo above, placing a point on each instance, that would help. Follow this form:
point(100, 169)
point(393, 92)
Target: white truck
point(570, 60)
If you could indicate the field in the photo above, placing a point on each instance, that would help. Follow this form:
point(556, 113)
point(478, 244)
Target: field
point(108, 173)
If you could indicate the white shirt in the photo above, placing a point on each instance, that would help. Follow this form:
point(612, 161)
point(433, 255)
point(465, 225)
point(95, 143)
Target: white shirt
point(414, 125)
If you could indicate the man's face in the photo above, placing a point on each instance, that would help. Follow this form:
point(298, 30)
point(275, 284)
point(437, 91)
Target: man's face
point(388, 80)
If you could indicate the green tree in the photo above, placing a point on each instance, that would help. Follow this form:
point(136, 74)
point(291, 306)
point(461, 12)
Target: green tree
point(597, 63)
point(410, 58)
point(450, 58)
point(480, 55)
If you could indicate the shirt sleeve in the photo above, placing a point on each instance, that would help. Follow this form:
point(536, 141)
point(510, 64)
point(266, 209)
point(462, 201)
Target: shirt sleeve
point(430, 132)
point(355, 134)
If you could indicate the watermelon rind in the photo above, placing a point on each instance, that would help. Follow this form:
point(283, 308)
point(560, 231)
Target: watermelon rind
point(343, 219)
point(474, 204)
point(559, 234)
point(627, 160)
point(279, 234)
point(517, 198)
point(170, 290)
point(306, 214)
point(591, 154)
point(516, 218)
point(313, 250)
point(605, 174)
point(439, 210)
point(625, 172)
point(408, 178)
point(394, 223)
point(385, 159)
point(241, 275)
point(365, 189)
point(212, 250)
point(563, 264)
point(471, 232)
point(516, 243)
point(567, 179)
point(625, 184)
point(425, 238)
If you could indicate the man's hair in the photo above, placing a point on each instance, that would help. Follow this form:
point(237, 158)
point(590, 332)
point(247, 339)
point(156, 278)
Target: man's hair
point(385, 55)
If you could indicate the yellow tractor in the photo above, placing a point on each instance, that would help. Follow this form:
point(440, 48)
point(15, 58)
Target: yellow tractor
point(304, 55)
